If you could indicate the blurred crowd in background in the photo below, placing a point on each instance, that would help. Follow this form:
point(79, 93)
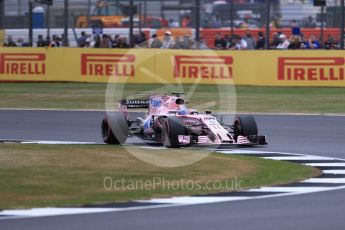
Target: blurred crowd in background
point(280, 41)
point(241, 24)
point(107, 41)
point(249, 41)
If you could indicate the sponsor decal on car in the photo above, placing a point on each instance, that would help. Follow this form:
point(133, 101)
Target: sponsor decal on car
point(155, 103)
point(311, 69)
point(23, 63)
point(210, 67)
point(118, 65)
point(148, 124)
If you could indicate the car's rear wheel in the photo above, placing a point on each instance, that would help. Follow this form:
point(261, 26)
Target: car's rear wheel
point(245, 125)
point(115, 128)
point(172, 128)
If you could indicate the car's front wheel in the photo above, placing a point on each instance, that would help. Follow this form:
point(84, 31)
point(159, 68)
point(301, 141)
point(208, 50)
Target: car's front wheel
point(245, 125)
point(172, 127)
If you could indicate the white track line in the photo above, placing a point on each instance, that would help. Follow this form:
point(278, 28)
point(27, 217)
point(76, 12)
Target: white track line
point(290, 189)
point(306, 157)
point(326, 180)
point(326, 164)
point(38, 212)
point(195, 200)
point(154, 148)
point(60, 143)
point(245, 152)
point(333, 171)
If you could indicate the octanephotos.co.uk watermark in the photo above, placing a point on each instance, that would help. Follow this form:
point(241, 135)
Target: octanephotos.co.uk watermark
point(161, 183)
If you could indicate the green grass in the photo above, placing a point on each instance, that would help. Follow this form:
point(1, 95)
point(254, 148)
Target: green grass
point(249, 99)
point(47, 175)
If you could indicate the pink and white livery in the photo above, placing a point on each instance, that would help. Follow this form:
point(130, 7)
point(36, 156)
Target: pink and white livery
point(170, 122)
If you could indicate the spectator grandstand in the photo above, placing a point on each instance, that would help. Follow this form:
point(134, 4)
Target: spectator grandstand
point(295, 19)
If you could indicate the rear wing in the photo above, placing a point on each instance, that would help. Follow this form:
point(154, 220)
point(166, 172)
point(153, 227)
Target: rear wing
point(135, 103)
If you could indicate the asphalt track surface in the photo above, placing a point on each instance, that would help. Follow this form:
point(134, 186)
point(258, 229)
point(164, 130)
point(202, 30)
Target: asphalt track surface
point(316, 135)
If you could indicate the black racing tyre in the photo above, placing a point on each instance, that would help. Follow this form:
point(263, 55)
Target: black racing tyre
point(172, 127)
point(107, 133)
point(115, 128)
point(245, 126)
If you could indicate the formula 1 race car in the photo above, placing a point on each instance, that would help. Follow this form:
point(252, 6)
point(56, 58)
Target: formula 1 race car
point(169, 122)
